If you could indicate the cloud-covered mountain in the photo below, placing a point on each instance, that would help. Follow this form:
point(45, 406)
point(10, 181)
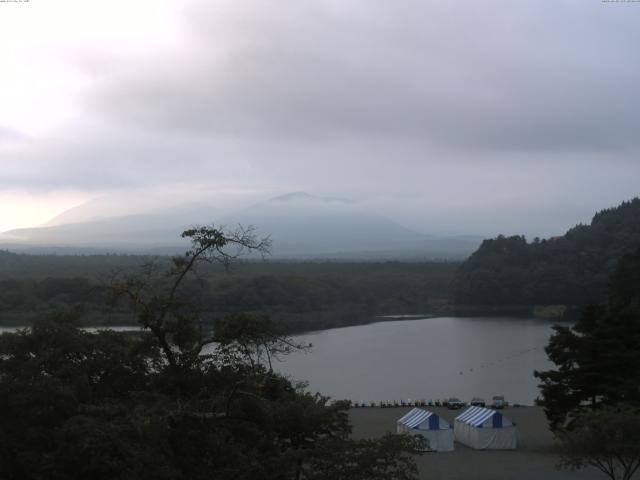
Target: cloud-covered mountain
point(300, 225)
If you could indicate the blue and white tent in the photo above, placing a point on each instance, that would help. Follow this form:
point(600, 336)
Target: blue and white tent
point(485, 429)
point(435, 429)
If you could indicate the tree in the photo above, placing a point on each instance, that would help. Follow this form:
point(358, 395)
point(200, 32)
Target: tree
point(55, 378)
point(157, 296)
point(252, 337)
point(177, 401)
point(571, 269)
point(607, 439)
point(598, 359)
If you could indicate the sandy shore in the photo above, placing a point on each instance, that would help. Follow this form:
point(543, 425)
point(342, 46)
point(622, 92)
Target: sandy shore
point(534, 458)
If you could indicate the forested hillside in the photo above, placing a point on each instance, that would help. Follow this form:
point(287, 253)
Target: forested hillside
point(303, 295)
point(570, 270)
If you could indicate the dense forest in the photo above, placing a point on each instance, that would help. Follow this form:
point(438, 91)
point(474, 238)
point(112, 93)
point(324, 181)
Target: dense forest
point(303, 295)
point(175, 402)
point(570, 270)
point(506, 275)
point(597, 359)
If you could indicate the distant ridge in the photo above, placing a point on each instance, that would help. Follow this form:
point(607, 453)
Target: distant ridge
point(303, 196)
point(301, 226)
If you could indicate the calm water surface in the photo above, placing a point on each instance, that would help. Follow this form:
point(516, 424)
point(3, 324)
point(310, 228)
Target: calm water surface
point(431, 358)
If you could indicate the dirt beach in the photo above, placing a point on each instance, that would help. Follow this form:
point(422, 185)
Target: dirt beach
point(534, 458)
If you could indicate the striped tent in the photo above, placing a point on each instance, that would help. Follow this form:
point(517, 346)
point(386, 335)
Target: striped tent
point(485, 429)
point(435, 429)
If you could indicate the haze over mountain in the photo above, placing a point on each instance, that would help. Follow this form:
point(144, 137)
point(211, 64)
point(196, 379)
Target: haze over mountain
point(301, 226)
point(448, 117)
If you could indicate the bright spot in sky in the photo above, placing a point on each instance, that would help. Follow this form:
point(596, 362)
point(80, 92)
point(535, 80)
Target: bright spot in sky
point(48, 50)
point(28, 209)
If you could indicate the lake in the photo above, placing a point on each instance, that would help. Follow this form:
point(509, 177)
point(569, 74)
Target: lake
point(432, 358)
point(89, 329)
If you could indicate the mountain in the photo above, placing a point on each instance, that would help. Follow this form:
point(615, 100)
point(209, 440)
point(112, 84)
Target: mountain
point(301, 226)
point(570, 270)
point(305, 197)
point(126, 233)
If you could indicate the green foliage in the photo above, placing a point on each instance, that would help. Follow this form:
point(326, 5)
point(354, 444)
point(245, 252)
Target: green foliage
point(300, 296)
point(106, 405)
point(331, 295)
point(607, 439)
point(571, 270)
point(252, 337)
point(77, 405)
point(50, 375)
point(598, 359)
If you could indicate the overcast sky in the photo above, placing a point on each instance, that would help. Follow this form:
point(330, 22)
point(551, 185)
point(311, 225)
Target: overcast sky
point(461, 116)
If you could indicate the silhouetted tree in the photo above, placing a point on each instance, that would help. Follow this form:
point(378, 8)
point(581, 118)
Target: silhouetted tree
point(156, 293)
point(607, 439)
point(174, 402)
point(598, 359)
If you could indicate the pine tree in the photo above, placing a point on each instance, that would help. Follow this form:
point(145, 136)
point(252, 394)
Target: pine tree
point(598, 359)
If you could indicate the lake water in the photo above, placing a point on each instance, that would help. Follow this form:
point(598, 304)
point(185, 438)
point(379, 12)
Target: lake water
point(89, 329)
point(433, 358)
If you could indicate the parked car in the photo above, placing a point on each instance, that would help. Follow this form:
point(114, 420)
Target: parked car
point(498, 402)
point(478, 402)
point(455, 404)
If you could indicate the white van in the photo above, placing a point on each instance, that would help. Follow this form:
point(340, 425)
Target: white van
point(497, 402)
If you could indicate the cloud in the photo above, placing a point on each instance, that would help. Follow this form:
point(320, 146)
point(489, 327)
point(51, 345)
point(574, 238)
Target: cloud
point(450, 115)
point(11, 136)
point(468, 75)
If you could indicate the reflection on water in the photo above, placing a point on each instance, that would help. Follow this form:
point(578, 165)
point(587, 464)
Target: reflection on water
point(432, 358)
